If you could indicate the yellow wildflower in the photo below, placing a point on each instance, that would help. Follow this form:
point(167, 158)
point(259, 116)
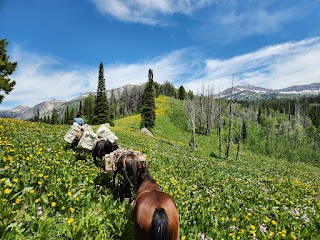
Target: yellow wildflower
point(252, 227)
point(7, 191)
point(70, 220)
point(72, 210)
point(53, 204)
point(253, 233)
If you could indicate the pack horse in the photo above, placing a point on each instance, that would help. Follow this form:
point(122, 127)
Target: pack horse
point(128, 164)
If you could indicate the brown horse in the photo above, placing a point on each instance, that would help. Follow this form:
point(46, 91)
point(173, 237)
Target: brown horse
point(155, 214)
point(102, 148)
point(129, 166)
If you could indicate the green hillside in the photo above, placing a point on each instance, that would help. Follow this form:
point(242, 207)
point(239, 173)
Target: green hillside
point(47, 193)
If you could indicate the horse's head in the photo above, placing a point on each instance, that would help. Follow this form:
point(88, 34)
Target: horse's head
point(115, 145)
point(143, 173)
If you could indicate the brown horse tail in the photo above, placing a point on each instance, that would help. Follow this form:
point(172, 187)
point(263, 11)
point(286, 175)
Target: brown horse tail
point(159, 225)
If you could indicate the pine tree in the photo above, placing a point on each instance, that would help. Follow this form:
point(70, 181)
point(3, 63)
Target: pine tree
point(80, 108)
point(66, 115)
point(182, 93)
point(72, 115)
point(88, 107)
point(101, 107)
point(148, 114)
point(6, 69)
point(243, 130)
point(54, 117)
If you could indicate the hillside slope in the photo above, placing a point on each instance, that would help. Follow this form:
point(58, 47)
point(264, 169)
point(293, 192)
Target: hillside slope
point(47, 193)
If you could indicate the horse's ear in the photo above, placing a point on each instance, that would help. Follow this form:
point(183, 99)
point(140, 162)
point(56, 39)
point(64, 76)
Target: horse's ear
point(148, 165)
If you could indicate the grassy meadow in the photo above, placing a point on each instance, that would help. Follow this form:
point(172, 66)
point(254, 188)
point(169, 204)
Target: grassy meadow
point(47, 193)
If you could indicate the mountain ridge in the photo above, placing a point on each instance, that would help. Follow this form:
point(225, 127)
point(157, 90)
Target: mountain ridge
point(252, 92)
point(243, 92)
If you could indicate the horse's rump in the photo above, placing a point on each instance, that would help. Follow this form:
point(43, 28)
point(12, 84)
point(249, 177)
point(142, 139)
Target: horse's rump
point(155, 216)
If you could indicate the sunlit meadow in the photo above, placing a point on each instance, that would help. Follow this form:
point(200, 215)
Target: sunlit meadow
point(46, 192)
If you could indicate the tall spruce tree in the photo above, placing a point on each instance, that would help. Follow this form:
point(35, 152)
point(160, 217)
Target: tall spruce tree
point(182, 93)
point(101, 107)
point(54, 117)
point(148, 113)
point(88, 107)
point(6, 69)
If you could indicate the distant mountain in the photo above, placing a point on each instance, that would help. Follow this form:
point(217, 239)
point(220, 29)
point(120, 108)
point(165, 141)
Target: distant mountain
point(238, 92)
point(246, 91)
point(45, 108)
point(252, 92)
point(313, 88)
point(14, 112)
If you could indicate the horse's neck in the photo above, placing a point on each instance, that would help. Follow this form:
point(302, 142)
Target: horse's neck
point(148, 185)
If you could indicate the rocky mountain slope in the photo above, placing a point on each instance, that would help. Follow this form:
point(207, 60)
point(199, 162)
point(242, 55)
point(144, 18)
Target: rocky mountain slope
point(252, 92)
point(238, 92)
point(45, 108)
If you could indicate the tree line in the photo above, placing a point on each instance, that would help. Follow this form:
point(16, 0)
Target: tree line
point(283, 128)
point(100, 108)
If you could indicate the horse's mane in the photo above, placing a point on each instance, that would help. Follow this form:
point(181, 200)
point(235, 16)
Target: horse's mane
point(148, 176)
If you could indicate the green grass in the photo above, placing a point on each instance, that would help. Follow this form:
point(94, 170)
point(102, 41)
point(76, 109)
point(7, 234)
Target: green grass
point(46, 193)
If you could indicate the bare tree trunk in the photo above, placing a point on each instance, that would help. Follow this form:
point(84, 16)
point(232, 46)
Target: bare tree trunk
point(239, 141)
point(230, 121)
point(209, 110)
point(191, 116)
point(220, 127)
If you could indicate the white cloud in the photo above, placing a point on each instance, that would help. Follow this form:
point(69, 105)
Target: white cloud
point(41, 78)
point(229, 21)
point(147, 11)
point(169, 67)
point(275, 67)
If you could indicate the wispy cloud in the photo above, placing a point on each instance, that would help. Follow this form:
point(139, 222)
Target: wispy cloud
point(168, 67)
point(277, 66)
point(41, 78)
point(148, 12)
point(230, 21)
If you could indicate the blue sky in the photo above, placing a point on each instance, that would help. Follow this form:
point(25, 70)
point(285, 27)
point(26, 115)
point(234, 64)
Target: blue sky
point(59, 44)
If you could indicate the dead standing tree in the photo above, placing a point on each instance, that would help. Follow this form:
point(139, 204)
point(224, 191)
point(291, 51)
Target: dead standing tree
point(205, 111)
point(190, 105)
point(220, 126)
point(230, 121)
